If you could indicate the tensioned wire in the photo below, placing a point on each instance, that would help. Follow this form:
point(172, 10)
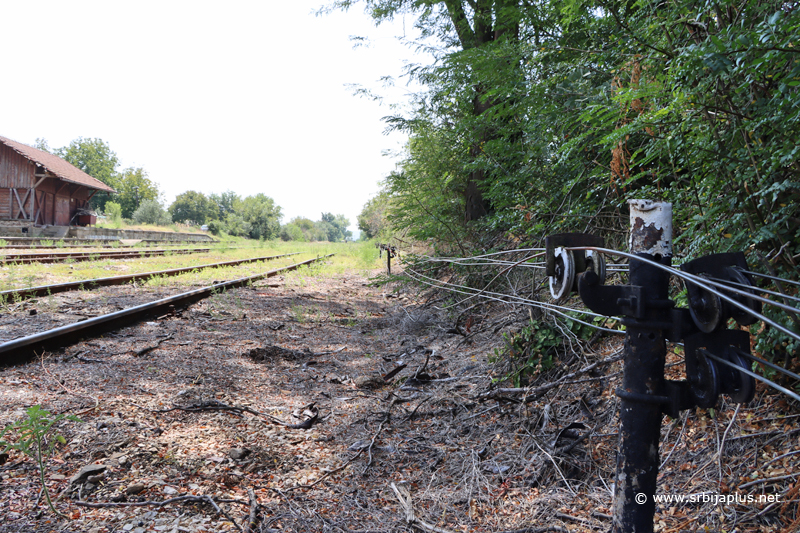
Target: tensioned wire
point(757, 289)
point(509, 299)
point(684, 275)
point(752, 374)
point(505, 298)
point(774, 278)
point(707, 285)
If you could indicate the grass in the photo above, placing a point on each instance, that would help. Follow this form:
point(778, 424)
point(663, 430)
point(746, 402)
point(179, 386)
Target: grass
point(359, 257)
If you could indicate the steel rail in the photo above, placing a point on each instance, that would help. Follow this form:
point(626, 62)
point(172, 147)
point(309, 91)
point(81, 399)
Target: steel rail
point(92, 256)
point(46, 290)
point(24, 348)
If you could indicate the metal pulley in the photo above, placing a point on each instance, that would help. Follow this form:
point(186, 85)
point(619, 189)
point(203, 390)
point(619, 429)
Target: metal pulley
point(704, 306)
point(562, 281)
point(740, 387)
point(703, 378)
point(563, 265)
point(709, 312)
point(709, 378)
point(742, 317)
point(597, 262)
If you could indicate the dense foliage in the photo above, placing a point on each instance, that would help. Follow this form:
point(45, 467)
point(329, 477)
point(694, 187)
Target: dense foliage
point(329, 227)
point(593, 103)
point(569, 109)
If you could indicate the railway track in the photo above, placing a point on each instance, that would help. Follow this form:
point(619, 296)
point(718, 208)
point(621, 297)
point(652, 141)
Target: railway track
point(22, 349)
point(55, 257)
point(14, 295)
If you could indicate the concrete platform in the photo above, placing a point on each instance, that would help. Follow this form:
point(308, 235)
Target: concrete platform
point(91, 234)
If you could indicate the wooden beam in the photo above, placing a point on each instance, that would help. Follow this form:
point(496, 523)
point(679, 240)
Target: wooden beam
point(39, 182)
point(21, 207)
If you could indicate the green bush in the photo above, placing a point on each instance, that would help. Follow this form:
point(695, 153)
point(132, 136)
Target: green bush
point(114, 213)
point(151, 212)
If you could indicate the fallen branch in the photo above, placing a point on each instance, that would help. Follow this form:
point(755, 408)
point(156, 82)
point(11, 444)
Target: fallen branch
point(532, 394)
point(237, 409)
point(372, 443)
point(766, 480)
point(329, 473)
point(178, 499)
point(411, 519)
point(252, 523)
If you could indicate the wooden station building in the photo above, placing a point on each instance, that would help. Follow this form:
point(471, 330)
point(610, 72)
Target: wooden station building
point(39, 188)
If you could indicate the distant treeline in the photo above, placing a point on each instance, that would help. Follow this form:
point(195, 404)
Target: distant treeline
point(139, 199)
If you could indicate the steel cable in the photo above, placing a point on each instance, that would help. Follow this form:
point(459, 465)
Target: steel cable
point(753, 375)
point(705, 284)
point(472, 292)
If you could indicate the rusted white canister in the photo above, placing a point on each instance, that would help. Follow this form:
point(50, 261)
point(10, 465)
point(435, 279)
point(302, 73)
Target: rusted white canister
point(651, 228)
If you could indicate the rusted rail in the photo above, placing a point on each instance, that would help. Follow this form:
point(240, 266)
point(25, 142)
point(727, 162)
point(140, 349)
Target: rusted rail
point(55, 257)
point(46, 290)
point(24, 348)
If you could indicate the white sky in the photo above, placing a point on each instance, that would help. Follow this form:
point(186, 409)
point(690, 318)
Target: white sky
point(245, 95)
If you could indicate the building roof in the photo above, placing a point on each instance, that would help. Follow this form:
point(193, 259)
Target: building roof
point(57, 166)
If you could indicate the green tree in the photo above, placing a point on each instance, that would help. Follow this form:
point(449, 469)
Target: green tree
point(291, 232)
point(193, 207)
point(113, 212)
point(226, 202)
point(151, 212)
point(134, 187)
point(96, 158)
point(372, 220)
point(480, 61)
point(263, 215)
point(41, 144)
point(237, 226)
point(334, 227)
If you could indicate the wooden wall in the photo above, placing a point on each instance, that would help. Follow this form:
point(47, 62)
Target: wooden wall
point(53, 202)
point(16, 172)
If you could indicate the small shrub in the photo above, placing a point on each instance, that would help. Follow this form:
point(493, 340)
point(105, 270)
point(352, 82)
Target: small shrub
point(114, 214)
point(32, 440)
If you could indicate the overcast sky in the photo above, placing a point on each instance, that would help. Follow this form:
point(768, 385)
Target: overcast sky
point(245, 95)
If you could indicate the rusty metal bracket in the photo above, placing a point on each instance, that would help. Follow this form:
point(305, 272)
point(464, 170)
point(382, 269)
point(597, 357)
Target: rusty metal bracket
point(611, 300)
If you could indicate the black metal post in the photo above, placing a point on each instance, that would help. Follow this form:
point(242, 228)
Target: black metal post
point(389, 261)
point(642, 391)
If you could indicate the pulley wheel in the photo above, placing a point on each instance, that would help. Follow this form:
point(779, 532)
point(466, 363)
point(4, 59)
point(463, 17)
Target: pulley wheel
point(742, 387)
point(598, 265)
point(704, 306)
point(703, 380)
point(743, 317)
point(561, 283)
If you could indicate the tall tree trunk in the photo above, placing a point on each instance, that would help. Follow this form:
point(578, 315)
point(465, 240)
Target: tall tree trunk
point(475, 205)
point(492, 20)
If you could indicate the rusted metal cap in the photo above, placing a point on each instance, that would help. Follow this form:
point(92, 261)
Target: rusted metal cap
point(651, 227)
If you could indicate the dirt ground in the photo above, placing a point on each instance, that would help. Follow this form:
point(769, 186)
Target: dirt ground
point(329, 404)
